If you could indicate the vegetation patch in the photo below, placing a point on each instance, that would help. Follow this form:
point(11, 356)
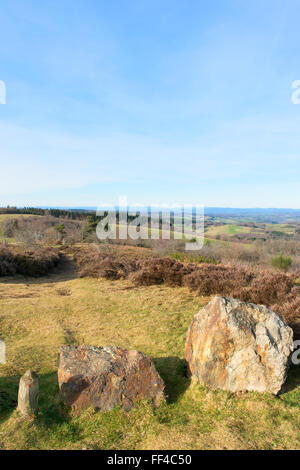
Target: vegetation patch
point(29, 262)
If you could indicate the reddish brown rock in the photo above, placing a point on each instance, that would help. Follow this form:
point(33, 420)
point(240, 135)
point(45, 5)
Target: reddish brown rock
point(102, 378)
point(238, 346)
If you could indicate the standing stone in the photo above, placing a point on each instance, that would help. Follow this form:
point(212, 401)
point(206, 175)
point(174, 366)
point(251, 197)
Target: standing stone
point(237, 346)
point(28, 393)
point(102, 378)
point(2, 352)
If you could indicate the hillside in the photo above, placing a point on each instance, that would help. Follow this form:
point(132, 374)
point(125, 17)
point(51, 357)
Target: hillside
point(39, 315)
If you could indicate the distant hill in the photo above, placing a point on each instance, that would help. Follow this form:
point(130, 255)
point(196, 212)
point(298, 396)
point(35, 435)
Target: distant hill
point(266, 215)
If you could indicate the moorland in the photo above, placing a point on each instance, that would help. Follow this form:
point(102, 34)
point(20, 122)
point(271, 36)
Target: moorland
point(60, 285)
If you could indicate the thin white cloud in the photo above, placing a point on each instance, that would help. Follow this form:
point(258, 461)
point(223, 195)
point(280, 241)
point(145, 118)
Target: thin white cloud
point(38, 160)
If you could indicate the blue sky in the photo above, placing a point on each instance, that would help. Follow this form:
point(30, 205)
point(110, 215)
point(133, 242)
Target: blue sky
point(165, 102)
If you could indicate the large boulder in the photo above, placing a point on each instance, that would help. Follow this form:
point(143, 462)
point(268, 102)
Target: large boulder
point(102, 378)
point(237, 346)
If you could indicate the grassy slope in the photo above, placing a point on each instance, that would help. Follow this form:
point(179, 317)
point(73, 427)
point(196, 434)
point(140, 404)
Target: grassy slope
point(38, 316)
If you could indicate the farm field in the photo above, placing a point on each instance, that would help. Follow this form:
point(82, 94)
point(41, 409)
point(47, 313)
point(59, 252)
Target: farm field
point(39, 315)
point(226, 229)
point(267, 230)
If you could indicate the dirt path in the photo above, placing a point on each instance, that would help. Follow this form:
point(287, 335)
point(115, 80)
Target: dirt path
point(65, 271)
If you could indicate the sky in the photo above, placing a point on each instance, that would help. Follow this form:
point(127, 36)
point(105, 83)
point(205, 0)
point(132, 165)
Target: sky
point(164, 102)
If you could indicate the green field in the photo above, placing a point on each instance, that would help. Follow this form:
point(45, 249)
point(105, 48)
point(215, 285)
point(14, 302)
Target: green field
point(227, 229)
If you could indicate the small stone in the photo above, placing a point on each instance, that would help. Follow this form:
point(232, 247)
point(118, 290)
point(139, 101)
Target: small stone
point(28, 393)
point(102, 378)
point(2, 352)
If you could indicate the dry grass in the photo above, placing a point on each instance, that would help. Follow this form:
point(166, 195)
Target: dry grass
point(37, 316)
point(14, 216)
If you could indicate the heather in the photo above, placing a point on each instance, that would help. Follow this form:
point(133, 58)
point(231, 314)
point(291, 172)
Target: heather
point(33, 262)
point(277, 290)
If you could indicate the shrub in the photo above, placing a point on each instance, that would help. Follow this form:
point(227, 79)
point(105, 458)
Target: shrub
point(103, 262)
point(282, 262)
point(7, 264)
point(178, 256)
point(89, 230)
point(266, 288)
point(167, 247)
point(34, 262)
point(9, 226)
point(61, 230)
point(289, 309)
point(160, 271)
point(209, 279)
